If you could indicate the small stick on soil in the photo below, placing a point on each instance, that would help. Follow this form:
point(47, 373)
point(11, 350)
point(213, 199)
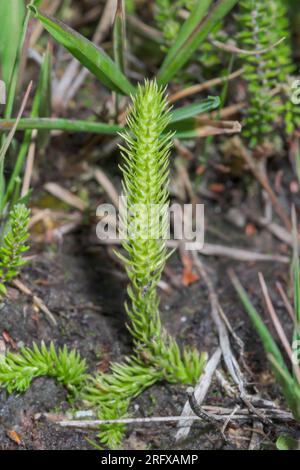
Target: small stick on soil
point(200, 393)
point(196, 408)
point(219, 414)
point(230, 417)
point(237, 339)
point(229, 358)
point(198, 411)
point(225, 385)
point(36, 300)
point(275, 229)
point(210, 249)
point(257, 430)
point(238, 254)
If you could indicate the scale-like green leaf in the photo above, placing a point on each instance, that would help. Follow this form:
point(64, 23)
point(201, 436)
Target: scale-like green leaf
point(90, 56)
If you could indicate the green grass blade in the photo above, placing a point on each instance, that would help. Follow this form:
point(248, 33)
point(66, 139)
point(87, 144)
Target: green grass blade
point(296, 273)
point(189, 111)
point(297, 158)
point(68, 125)
point(288, 384)
point(290, 388)
point(15, 73)
point(182, 122)
point(265, 335)
point(12, 15)
point(193, 31)
point(187, 129)
point(43, 94)
point(196, 15)
point(89, 55)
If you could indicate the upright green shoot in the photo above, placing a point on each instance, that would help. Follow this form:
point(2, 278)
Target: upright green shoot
point(13, 244)
point(157, 355)
point(146, 174)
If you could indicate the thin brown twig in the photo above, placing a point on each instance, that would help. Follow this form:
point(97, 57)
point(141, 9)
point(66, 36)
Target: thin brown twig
point(211, 249)
point(108, 186)
point(203, 86)
point(263, 180)
point(219, 414)
point(228, 356)
point(277, 324)
point(36, 300)
point(236, 50)
point(29, 164)
point(200, 392)
point(286, 302)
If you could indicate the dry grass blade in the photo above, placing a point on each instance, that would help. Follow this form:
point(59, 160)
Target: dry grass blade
point(263, 180)
point(73, 77)
point(65, 196)
point(286, 302)
point(29, 165)
point(277, 324)
point(236, 50)
point(7, 143)
point(207, 127)
point(108, 187)
point(2, 92)
point(203, 86)
point(274, 316)
point(11, 134)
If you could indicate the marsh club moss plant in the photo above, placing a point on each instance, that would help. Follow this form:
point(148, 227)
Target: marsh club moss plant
point(156, 356)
